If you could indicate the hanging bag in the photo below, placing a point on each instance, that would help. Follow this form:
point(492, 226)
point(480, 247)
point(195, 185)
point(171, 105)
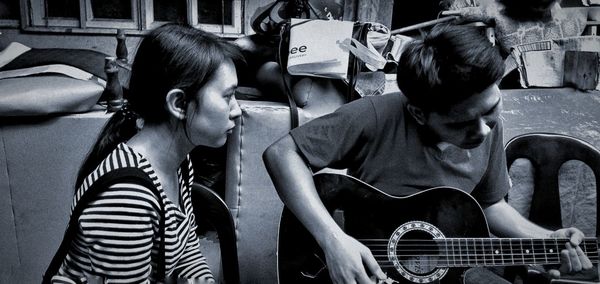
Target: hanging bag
point(318, 48)
point(132, 175)
point(329, 49)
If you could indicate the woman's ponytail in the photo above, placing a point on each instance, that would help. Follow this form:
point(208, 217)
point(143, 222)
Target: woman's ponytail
point(119, 128)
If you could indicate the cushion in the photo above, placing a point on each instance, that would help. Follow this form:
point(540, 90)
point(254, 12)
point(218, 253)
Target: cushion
point(42, 95)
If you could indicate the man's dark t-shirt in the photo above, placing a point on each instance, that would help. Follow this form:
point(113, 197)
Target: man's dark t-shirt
point(379, 142)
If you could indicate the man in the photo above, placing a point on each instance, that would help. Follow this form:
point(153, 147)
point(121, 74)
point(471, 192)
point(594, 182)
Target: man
point(444, 130)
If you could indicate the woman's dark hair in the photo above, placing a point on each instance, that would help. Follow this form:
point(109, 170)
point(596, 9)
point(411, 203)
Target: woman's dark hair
point(449, 65)
point(171, 56)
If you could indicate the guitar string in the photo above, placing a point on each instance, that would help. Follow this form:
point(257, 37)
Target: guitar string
point(479, 249)
point(445, 244)
point(513, 256)
point(489, 240)
point(463, 263)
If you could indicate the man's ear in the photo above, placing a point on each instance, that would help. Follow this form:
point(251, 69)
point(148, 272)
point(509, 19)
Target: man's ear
point(417, 113)
point(175, 103)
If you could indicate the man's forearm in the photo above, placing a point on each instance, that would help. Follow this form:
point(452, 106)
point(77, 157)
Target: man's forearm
point(505, 221)
point(294, 183)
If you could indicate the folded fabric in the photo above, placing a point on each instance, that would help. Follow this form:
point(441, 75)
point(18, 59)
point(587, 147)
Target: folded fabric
point(87, 60)
point(42, 95)
point(66, 70)
point(12, 51)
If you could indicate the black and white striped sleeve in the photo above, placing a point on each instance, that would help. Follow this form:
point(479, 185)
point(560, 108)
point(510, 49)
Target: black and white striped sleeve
point(119, 229)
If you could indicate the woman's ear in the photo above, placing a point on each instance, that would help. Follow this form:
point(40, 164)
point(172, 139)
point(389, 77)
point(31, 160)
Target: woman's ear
point(417, 113)
point(175, 103)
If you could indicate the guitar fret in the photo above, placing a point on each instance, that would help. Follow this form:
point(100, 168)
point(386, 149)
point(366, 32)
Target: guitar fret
point(454, 253)
point(485, 263)
point(518, 252)
point(476, 252)
point(523, 249)
point(556, 249)
point(593, 251)
point(512, 253)
point(545, 252)
point(529, 251)
point(539, 251)
point(501, 253)
point(460, 252)
point(477, 255)
point(467, 252)
point(497, 252)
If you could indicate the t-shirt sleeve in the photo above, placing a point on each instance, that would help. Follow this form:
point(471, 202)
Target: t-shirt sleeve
point(192, 264)
point(333, 139)
point(494, 184)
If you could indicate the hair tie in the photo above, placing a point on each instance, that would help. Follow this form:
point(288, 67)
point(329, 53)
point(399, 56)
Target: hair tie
point(130, 115)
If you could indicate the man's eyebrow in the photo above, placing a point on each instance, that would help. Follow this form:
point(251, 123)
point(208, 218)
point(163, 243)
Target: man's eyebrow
point(493, 107)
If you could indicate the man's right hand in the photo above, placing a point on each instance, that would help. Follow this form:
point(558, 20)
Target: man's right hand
point(348, 261)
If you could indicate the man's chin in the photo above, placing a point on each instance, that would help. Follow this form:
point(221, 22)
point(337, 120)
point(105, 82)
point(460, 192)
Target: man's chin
point(471, 145)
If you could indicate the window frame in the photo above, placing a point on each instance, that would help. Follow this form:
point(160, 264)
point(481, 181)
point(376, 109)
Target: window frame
point(91, 22)
point(32, 19)
point(12, 23)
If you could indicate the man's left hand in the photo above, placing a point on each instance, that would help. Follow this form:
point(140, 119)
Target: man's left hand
point(572, 258)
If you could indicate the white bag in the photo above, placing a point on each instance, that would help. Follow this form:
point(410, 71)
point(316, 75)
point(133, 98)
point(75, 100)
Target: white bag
point(316, 48)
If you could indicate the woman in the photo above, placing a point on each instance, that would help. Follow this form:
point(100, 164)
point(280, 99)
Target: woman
point(181, 96)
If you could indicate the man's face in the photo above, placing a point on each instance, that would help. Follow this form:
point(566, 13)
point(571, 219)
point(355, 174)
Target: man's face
point(467, 124)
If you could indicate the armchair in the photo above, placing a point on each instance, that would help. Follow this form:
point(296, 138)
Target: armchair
point(547, 153)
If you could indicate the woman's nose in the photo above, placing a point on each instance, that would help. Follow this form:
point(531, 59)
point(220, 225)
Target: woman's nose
point(235, 110)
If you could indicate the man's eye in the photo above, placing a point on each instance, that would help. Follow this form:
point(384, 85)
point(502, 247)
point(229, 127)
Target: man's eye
point(458, 125)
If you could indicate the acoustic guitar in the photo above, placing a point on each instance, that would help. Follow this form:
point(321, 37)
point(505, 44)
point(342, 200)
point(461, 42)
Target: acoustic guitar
point(428, 237)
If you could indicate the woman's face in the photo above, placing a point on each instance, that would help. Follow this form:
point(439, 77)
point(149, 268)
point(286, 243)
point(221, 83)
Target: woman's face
point(212, 114)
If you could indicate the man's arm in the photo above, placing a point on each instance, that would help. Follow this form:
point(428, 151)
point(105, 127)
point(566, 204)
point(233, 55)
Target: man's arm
point(294, 183)
point(505, 221)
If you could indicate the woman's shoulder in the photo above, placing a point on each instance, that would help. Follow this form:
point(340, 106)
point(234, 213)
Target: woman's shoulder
point(131, 194)
point(105, 174)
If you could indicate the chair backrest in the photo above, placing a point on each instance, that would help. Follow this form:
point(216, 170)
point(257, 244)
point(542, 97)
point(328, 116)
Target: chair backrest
point(209, 207)
point(547, 152)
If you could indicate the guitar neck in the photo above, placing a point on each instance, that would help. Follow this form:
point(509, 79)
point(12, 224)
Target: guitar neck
point(470, 252)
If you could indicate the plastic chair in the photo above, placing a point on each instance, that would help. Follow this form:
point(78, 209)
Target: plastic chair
point(211, 209)
point(547, 152)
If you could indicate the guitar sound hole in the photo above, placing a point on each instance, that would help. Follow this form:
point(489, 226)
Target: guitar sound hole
point(417, 253)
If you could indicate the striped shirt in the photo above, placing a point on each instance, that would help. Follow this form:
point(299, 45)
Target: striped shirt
point(118, 237)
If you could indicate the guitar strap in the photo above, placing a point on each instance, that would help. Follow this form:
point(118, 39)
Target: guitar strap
point(126, 175)
point(282, 60)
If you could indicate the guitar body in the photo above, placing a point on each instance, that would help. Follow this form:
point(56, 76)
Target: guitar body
point(366, 213)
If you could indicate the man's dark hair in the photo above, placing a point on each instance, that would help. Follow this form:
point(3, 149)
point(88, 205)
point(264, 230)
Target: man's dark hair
point(449, 65)
point(527, 10)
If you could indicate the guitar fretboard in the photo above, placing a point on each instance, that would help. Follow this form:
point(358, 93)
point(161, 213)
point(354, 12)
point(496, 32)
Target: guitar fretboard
point(470, 252)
